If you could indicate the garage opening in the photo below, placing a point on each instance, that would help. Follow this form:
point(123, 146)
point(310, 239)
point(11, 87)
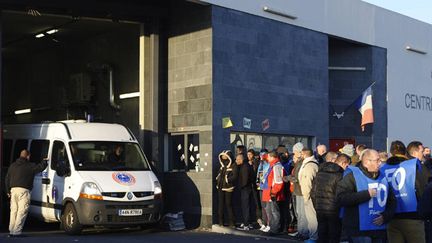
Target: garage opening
point(63, 67)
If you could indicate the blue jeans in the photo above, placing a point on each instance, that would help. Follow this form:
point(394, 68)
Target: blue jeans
point(273, 215)
point(302, 224)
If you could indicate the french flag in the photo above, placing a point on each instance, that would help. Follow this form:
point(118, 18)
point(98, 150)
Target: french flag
point(364, 106)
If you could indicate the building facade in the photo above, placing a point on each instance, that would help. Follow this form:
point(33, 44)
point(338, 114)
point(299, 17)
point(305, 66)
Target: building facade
point(281, 72)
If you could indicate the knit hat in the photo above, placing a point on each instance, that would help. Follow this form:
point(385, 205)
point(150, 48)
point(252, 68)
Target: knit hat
point(348, 149)
point(298, 147)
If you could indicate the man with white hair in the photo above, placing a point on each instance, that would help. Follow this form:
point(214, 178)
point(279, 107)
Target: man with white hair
point(368, 200)
point(320, 153)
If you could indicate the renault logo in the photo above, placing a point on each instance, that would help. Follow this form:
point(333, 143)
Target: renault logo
point(129, 195)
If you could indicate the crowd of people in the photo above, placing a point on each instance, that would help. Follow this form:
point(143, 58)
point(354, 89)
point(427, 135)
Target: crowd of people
point(356, 194)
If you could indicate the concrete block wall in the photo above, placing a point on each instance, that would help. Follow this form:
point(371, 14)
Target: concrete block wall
point(190, 104)
point(346, 86)
point(267, 69)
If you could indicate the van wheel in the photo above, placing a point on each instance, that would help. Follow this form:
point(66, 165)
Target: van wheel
point(69, 220)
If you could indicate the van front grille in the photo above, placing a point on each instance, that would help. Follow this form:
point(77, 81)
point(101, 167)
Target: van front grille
point(114, 194)
point(143, 194)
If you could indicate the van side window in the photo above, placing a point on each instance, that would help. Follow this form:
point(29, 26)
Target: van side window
point(20, 144)
point(38, 150)
point(7, 151)
point(59, 155)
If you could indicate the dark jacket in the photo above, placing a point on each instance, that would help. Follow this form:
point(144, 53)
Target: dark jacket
point(294, 178)
point(349, 198)
point(228, 173)
point(324, 188)
point(246, 176)
point(21, 173)
point(422, 176)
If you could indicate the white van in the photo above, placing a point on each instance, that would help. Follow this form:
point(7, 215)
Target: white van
point(97, 174)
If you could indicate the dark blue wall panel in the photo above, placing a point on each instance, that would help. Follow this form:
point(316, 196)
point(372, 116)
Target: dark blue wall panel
point(267, 69)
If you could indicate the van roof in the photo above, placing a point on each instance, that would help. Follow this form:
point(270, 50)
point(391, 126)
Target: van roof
point(70, 131)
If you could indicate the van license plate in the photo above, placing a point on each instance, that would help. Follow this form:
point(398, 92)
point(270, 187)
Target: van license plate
point(130, 212)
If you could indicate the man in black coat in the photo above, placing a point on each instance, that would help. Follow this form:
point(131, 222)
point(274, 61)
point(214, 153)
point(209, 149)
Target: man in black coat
point(365, 189)
point(324, 198)
point(19, 183)
point(246, 180)
point(408, 224)
point(225, 180)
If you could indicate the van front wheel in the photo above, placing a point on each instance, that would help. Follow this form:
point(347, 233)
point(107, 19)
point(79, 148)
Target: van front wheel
point(69, 220)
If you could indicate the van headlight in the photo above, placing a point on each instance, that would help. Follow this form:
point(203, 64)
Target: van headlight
point(90, 190)
point(157, 188)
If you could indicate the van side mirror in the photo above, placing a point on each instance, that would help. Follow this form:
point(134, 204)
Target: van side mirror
point(62, 170)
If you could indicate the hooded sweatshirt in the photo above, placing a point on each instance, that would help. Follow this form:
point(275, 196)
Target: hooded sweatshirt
point(228, 172)
point(307, 173)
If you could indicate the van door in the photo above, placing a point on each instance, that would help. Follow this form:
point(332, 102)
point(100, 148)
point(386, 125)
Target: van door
point(38, 151)
point(55, 190)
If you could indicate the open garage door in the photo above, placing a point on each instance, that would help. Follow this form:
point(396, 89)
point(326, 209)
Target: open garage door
point(57, 67)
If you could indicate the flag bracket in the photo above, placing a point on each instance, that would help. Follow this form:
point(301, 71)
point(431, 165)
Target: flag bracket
point(339, 115)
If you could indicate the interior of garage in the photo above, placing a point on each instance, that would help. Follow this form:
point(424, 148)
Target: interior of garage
point(63, 67)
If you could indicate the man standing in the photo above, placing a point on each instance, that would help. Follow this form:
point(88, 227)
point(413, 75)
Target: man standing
point(321, 151)
point(19, 183)
point(254, 162)
point(306, 175)
point(355, 159)
point(408, 179)
point(273, 191)
point(245, 182)
point(298, 202)
point(225, 180)
point(367, 199)
point(324, 198)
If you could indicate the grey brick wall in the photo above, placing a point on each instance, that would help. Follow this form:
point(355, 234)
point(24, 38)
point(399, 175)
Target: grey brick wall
point(190, 109)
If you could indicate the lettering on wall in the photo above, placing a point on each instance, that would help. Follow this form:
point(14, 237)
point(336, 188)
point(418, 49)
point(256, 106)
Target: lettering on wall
point(418, 102)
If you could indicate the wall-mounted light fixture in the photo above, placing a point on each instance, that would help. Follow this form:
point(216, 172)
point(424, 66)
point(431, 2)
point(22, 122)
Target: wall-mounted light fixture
point(278, 12)
point(23, 111)
point(129, 95)
point(409, 48)
point(347, 68)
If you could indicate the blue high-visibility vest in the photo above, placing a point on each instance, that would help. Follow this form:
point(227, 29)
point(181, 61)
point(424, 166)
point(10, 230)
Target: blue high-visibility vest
point(402, 179)
point(371, 209)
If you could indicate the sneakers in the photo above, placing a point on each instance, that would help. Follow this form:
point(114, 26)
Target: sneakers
point(266, 229)
point(262, 227)
point(293, 234)
point(291, 230)
point(245, 227)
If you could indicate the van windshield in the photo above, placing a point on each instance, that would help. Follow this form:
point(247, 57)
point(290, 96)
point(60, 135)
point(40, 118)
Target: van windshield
point(108, 156)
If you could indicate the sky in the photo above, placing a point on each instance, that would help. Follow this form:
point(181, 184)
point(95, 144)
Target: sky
point(418, 9)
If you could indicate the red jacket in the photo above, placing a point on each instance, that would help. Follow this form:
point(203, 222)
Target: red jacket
point(275, 182)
